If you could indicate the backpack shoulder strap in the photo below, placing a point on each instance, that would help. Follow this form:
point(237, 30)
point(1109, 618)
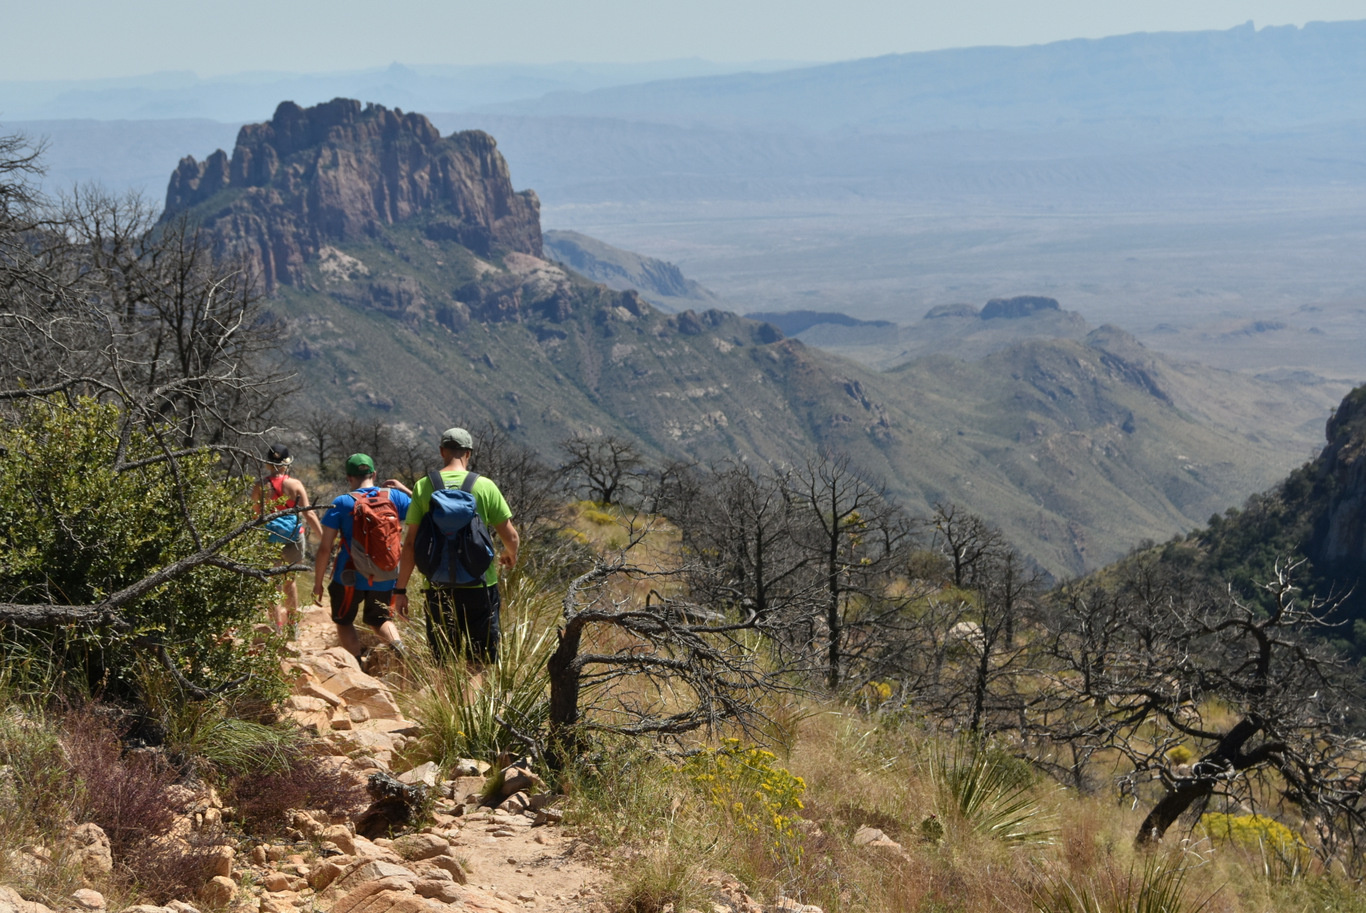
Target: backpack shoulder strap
point(438, 483)
point(467, 486)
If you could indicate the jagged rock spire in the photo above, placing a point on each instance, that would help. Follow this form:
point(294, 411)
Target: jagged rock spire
point(337, 172)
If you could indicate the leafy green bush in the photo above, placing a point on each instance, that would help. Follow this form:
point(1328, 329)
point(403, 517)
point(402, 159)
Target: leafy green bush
point(91, 509)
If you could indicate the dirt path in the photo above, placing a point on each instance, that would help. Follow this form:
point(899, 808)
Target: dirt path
point(509, 862)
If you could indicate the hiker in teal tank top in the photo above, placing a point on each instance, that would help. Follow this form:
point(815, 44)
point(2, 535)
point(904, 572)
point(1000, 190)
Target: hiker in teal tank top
point(280, 491)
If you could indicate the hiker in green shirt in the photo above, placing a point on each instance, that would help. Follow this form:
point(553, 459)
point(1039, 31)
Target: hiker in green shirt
point(464, 617)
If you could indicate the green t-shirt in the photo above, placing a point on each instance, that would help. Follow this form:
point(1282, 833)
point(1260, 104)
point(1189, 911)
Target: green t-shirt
point(488, 501)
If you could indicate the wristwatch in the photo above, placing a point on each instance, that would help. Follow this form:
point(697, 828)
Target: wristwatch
point(401, 590)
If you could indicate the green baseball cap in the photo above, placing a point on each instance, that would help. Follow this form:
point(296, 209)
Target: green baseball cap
point(458, 438)
point(359, 465)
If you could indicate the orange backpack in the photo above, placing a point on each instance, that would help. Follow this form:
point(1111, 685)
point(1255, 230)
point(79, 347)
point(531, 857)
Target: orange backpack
point(376, 535)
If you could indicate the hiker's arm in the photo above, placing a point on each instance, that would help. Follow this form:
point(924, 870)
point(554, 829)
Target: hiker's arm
point(398, 486)
point(322, 560)
point(511, 542)
point(407, 560)
point(310, 516)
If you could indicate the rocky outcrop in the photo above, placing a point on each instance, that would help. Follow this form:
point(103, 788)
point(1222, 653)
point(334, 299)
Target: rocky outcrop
point(1017, 307)
point(942, 311)
point(338, 171)
point(1339, 539)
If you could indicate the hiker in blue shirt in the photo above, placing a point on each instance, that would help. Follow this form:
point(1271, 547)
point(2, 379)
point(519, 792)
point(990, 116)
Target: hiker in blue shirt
point(371, 535)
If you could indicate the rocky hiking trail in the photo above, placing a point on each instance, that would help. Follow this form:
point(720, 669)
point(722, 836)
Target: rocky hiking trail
point(471, 858)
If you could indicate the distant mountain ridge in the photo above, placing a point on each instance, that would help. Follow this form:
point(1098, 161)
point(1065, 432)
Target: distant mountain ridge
point(409, 275)
point(661, 282)
point(1278, 75)
point(795, 322)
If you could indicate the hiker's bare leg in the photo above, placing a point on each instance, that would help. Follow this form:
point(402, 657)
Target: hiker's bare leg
point(346, 634)
point(388, 632)
point(288, 609)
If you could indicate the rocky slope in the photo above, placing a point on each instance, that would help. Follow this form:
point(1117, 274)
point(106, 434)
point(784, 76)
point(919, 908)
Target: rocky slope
point(504, 854)
point(1314, 520)
point(1338, 540)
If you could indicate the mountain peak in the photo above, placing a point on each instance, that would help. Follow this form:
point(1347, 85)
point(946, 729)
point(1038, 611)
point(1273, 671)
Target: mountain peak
point(340, 170)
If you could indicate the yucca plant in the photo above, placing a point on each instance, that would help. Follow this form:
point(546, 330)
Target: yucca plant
point(984, 790)
point(1158, 887)
point(468, 712)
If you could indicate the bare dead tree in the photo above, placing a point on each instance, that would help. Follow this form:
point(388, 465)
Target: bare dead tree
point(1142, 666)
point(121, 309)
point(530, 485)
point(607, 468)
point(672, 667)
point(967, 540)
point(858, 539)
point(321, 430)
point(676, 483)
point(187, 323)
point(738, 527)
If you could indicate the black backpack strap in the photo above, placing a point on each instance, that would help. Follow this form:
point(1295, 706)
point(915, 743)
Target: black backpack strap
point(467, 486)
point(438, 483)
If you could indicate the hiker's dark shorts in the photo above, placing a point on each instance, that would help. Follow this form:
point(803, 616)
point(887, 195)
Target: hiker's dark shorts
point(466, 618)
point(346, 600)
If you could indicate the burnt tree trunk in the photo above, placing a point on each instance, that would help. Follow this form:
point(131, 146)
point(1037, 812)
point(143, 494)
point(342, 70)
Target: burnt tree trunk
point(565, 673)
point(1227, 757)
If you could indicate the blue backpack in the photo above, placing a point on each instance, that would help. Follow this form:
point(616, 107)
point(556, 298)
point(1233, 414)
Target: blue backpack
point(453, 546)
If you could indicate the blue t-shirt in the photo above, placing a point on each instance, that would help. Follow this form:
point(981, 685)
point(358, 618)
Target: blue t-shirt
point(338, 517)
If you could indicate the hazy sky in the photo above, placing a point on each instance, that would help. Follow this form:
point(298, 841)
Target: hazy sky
point(56, 39)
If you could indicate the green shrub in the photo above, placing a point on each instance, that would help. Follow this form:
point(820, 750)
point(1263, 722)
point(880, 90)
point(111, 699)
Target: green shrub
point(75, 528)
point(463, 715)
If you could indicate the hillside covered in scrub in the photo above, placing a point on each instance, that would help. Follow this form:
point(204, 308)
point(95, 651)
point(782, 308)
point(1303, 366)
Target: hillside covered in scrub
point(1316, 517)
point(412, 288)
